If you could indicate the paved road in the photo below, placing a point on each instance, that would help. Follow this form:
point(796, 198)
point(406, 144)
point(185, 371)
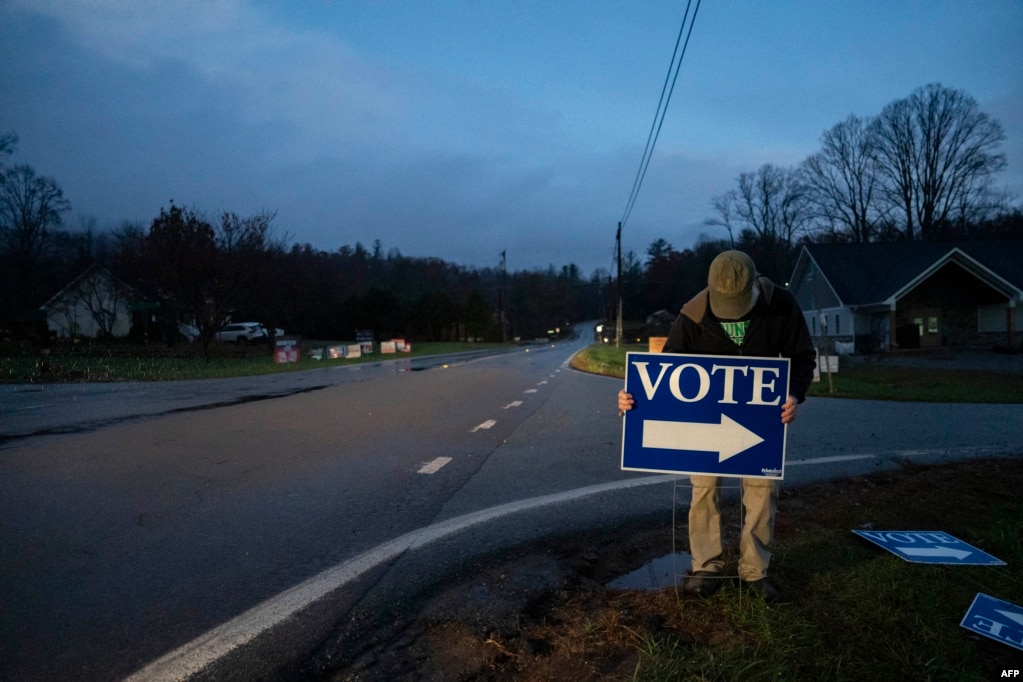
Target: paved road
point(235, 537)
point(28, 410)
point(144, 521)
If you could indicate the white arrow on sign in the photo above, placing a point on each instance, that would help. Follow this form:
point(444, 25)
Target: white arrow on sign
point(1014, 617)
point(945, 552)
point(728, 438)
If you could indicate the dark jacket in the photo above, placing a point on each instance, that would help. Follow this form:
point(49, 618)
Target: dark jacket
point(776, 328)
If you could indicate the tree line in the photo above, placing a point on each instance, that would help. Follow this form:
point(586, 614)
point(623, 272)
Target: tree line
point(185, 266)
point(924, 168)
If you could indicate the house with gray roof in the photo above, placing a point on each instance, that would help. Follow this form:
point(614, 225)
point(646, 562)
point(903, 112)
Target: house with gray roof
point(911, 294)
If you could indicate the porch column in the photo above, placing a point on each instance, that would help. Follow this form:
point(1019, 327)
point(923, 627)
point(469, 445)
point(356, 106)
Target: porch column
point(892, 339)
point(1010, 325)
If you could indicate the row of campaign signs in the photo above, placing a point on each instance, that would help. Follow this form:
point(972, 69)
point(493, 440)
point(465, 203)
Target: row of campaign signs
point(356, 350)
point(720, 416)
point(287, 350)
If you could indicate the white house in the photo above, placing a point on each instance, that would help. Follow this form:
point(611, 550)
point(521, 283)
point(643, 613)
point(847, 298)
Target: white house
point(94, 304)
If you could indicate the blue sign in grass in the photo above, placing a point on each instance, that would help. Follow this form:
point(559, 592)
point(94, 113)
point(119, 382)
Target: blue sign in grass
point(999, 620)
point(705, 414)
point(929, 547)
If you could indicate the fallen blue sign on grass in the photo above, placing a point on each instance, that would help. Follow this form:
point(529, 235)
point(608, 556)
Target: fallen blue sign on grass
point(929, 547)
point(996, 619)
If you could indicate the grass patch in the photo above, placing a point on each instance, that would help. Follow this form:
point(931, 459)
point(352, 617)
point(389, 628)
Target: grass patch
point(854, 612)
point(605, 359)
point(850, 610)
point(881, 381)
point(877, 381)
point(97, 363)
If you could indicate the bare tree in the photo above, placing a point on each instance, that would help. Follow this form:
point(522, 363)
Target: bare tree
point(251, 278)
point(937, 153)
point(252, 234)
point(8, 141)
point(30, 215)
point(842, 185)
point(127, 246)
point(771, 203)
point(30, 209)
point(205, 273)
point(724, 209)
point(758, 200)
point(770, 209)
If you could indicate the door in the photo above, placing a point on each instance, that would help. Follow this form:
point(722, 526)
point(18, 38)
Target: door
point(928, 322)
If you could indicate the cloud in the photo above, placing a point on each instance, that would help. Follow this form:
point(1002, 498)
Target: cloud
point(311, 86)
point(315, 92)
point(447, 131)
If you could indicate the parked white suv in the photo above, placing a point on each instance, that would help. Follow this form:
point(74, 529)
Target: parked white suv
point(242, 332)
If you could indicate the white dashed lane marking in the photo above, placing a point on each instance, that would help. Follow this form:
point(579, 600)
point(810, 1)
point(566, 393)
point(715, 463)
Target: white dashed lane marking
point(434, 466)
point(514, 403)
point(485, 425)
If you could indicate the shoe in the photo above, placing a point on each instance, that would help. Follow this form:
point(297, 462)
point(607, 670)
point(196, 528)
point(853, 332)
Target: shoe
point(764, 589)
point(702, 583)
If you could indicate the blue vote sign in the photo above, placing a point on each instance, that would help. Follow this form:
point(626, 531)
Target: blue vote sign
point(999, 620)
point(929, 547)
point(705, 414)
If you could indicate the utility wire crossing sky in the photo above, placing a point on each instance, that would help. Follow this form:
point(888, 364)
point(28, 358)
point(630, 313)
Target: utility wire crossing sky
point(662, 109)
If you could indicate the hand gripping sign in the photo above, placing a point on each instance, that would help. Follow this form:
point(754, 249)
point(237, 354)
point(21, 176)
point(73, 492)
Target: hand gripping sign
point(705, 414)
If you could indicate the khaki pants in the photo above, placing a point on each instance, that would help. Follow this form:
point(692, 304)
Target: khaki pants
point(760, 501)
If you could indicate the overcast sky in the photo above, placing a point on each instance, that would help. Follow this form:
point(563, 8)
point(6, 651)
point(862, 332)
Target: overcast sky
point(458, 129)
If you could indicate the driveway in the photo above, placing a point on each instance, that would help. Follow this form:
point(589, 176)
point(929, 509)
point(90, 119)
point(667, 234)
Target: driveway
point(949, 358)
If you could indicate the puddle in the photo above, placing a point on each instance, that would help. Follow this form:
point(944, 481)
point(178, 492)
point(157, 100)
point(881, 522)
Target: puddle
point(656, 574)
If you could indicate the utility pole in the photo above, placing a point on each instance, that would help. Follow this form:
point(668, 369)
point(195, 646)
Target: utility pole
point(618, 323)
point(500, 303)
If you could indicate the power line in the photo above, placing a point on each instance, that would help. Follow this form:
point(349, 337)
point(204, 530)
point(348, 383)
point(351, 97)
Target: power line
point(662, 108)
point(651, 141)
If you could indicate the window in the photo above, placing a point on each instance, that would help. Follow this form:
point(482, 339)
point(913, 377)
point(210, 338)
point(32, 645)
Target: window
point(995, 319)
point(932, 325)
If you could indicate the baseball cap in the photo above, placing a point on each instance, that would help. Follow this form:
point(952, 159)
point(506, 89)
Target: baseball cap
point(730, 282)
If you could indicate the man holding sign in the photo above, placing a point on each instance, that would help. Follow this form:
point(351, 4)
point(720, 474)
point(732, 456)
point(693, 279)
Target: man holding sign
point(739, 314)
